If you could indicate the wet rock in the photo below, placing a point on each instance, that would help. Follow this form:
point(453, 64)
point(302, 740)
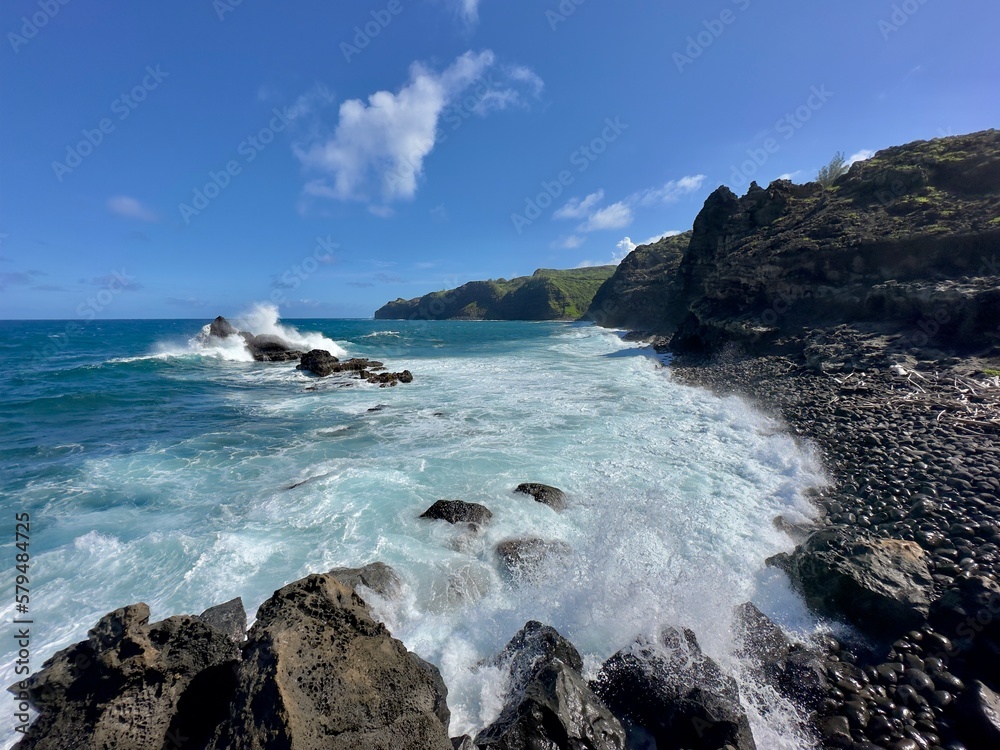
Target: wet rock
point(270, 348)
point(132, 685)
point(377, 576)
point(319, 672)
point(675, 693)
point(549, 705)
point(319, 362)
point(222, 328)
point(881, 585)
point(545, 494)
point(229, 618)
point(463, 743)
point(458, 511)
point(980, 713)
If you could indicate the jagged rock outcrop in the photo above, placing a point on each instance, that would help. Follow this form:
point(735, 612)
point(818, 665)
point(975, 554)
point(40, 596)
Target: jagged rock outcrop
point(263, 348)
point(907, 242)
point(229, 618)
point(546, 295)
point(134, 686)
point(377, 576)
point(883, 586)
point(549, 705)
point(673, 692)
point(319, 673)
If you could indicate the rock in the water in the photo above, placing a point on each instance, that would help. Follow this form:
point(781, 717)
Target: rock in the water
point(980, 711)
point(229, 618)
point(675, 693)
point(221, 328)
point(319, 362)
point(458, 511)
point(554, 497)
point(377, 576)
point(133, 686)
point(549, 706)
point(463, 743)
point(527, 559)
point(270, 348)
point(319, 673)
point(881, 585)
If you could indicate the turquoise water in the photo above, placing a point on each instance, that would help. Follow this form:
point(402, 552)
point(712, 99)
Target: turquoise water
point(157, 470)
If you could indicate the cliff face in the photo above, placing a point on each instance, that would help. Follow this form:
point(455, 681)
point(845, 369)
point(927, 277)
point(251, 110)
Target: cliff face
point(906, 244)
point(545, 295)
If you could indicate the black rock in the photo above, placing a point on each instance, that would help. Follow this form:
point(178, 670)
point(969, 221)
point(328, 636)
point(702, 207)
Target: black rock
point(530, 559)
point(377, 576)
point(229, 618)
point(221, 328)
point(319, 362)
point(458, 511)
point(543, 493)
point(675, 693)
point(980, 712)
point(549, 704)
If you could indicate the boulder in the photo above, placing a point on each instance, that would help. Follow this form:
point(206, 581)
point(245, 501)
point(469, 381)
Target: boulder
point(554, 497)
point(458, 511)
point(229, 618)
point(133, 686)
point(883, 586)
point(319, 672)
point(549, 705)
point(979, 708)
point(671, 691)
point(377, 576)
point(319, 362)
point(526, 560)
point(221, 328)
point(270, 348)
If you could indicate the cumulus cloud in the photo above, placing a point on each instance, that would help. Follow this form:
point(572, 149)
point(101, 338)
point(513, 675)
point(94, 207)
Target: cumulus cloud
point(615, 216)
point(577, 208)
point(376, 152)
point(130, 208)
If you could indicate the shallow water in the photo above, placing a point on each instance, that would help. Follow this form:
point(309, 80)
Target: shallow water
point(157, 469)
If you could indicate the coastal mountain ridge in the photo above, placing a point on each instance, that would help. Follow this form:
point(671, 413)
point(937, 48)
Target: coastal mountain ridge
point(547, 294)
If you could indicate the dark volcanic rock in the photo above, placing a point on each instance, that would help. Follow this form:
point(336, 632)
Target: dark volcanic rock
point(269, 348)
point(229, 618)
point(319, 362)
point(980, 710)
point(554, 497)
point(675, 693)
point(133, 686)
point(377, 576)
point(549, 705)
point(458, 511)
point(221, 328)
point(881, 585)
point(319, 673)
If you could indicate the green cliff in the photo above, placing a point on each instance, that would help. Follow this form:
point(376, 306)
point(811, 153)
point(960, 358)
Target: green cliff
point(545, 295)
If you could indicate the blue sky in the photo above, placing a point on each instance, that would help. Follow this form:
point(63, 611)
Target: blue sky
point(190, 159)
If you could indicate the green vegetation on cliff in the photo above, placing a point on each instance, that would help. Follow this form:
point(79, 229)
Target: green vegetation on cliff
point(545, 295)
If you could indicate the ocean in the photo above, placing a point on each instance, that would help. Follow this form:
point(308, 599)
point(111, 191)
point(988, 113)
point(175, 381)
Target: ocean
point(157, 469)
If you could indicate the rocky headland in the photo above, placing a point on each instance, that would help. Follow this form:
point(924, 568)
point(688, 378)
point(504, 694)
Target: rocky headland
point(545, 295)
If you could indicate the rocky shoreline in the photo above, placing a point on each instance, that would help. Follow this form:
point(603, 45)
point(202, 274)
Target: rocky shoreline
point(908, 541)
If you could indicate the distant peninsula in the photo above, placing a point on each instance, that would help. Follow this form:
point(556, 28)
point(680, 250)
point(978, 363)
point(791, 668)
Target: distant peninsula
point(545, 295)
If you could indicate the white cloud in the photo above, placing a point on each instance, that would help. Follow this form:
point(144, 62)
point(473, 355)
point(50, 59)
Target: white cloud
point(862, 155)
point(615, 216)
point(657, 238)
point(377, 151)
point(309, 102)
point(623, 248)
point(790, 175)
point(670, 191)
point(469, 10)
point(568, 243)
point(577, 208)
point(130, 208)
